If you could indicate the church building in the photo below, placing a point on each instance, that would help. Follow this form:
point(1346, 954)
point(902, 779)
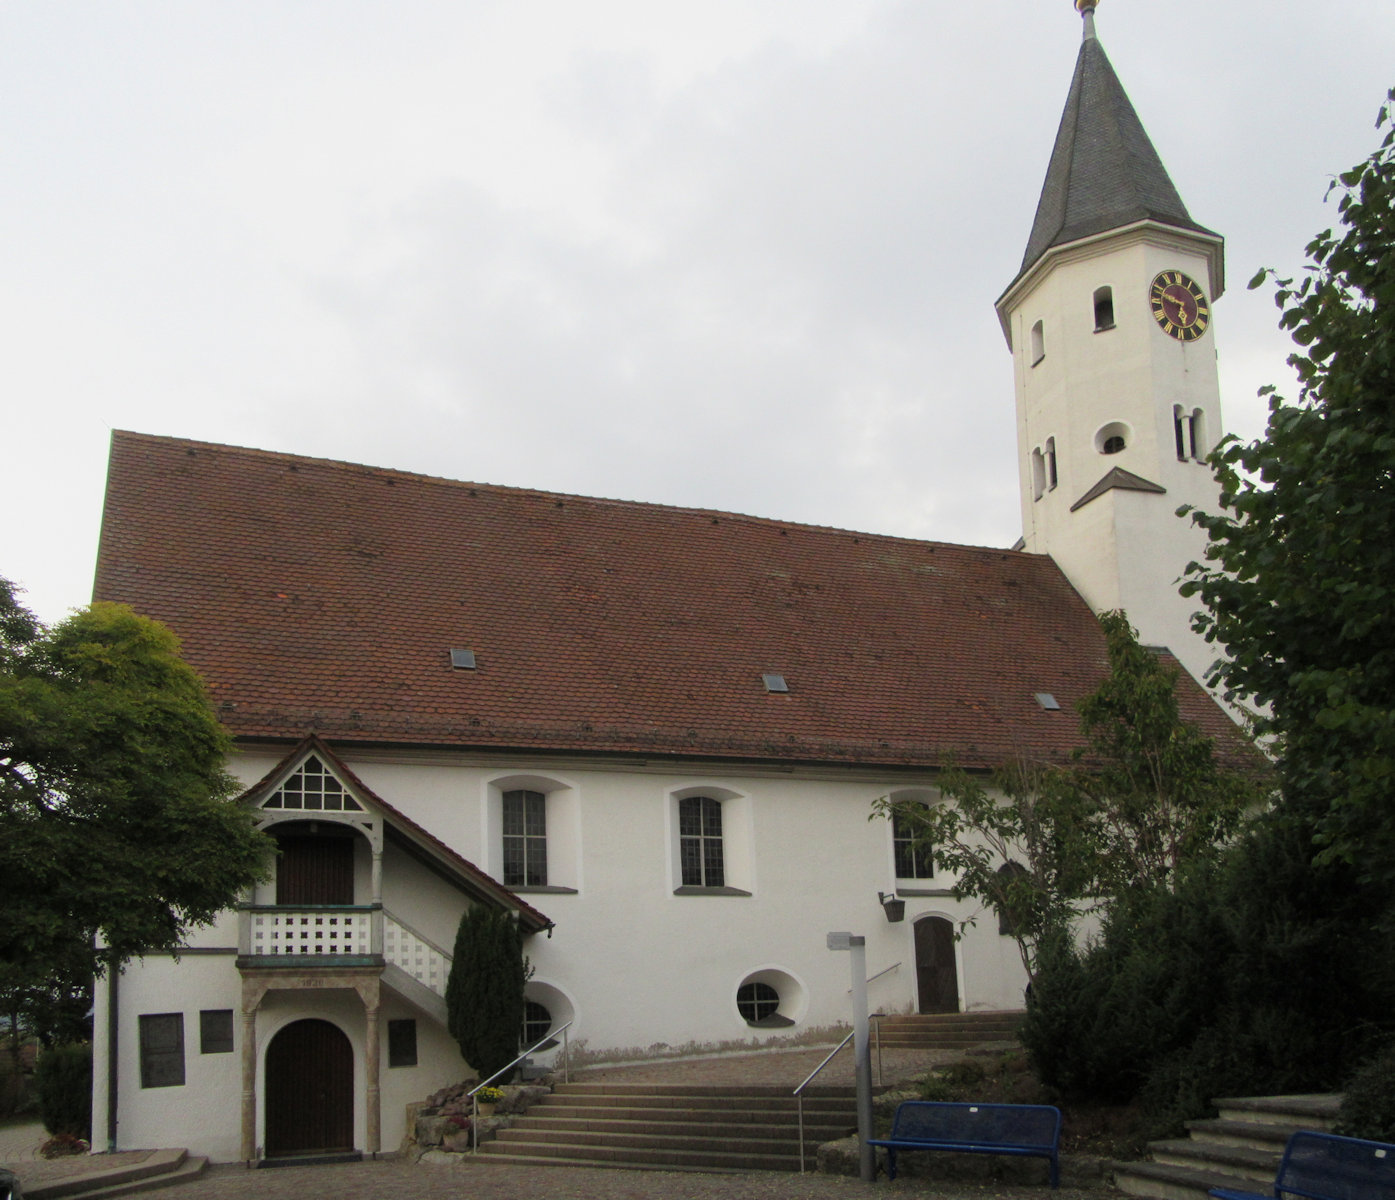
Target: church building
point(653, 734)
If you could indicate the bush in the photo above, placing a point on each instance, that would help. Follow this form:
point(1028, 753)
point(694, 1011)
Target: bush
point(1263, 974)
point(63, 1079)
point(484, 992)
point(63, 1145)
point(1368, 1108)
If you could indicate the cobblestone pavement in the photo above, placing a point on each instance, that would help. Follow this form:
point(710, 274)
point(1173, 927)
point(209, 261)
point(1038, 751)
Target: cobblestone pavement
point(20, 1143)
point(408, 1181)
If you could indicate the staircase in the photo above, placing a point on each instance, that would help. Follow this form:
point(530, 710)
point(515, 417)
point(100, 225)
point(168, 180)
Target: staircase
point(1239, 1149)
point(692, 1127)
point(946, 1031)
point(160, 1168)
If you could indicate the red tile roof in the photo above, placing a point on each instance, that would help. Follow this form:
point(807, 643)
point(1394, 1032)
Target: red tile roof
point(323, 597)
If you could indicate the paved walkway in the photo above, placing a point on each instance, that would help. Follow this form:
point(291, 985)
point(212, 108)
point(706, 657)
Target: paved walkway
point(779, 1067)
point(20, 1143)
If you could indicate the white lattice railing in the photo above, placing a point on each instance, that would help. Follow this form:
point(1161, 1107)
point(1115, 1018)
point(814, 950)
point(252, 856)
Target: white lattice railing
point(424, 961)
point(311, 931)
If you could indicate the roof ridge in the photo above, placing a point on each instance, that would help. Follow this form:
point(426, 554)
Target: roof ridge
point(517, 490)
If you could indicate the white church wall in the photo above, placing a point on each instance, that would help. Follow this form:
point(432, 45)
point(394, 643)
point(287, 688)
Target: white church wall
point(203, 1113)
point(635, 961)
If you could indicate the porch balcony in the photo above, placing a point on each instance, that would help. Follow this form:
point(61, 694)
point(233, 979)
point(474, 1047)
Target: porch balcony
point(335, 936)
point(311, 935)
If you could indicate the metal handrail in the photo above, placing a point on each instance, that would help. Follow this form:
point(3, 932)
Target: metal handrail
point(474, 1099)
point(884, 971)
point(799, 1092)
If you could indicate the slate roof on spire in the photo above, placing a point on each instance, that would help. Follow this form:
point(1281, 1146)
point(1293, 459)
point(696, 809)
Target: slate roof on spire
point(1104, 173)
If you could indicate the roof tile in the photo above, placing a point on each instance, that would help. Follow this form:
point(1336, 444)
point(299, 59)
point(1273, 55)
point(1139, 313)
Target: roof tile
point(323, 597)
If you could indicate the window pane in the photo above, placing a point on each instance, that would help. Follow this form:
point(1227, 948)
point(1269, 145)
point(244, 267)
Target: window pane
point(700, 841)
point(757, 1001)
point(162, 1050)
point(912, 861)
point(690, 855)
point(713, 875)
point(536, 1022)
point(402, 1043)
point(525, 838)
point(216, 1031)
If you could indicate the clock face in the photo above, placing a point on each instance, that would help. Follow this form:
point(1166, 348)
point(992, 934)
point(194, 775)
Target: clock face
point(1179, 306)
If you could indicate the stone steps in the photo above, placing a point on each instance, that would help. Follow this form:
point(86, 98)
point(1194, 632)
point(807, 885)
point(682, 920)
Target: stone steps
point(1239, 1149)
point(946, 1031)
point(163, 1168)
point(689, 1127)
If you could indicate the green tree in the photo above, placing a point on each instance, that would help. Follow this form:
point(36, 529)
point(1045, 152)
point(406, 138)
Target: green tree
point(1040, 843)
point(1299, 581)
point(1148, 782)
point(484, 992)
point(1015, 841)
point(117, 830)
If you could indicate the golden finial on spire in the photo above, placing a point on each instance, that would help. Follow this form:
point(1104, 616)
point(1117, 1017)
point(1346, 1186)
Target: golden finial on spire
point(1082, 6)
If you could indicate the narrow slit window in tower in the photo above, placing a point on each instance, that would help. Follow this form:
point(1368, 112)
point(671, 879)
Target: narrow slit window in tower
point(1104, 309)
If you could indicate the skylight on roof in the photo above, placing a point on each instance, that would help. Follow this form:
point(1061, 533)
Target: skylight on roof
point(775, 683)
point(1048, 702)
point(462, 660)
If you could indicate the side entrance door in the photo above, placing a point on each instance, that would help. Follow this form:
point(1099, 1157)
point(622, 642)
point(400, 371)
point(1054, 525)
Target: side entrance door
point(309, 1090)
point(315, 868)
point(936, 978)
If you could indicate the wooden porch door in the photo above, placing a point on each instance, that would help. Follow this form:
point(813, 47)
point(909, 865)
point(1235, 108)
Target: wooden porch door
point(309, 1090)
point(936, 978)
point(316, 868)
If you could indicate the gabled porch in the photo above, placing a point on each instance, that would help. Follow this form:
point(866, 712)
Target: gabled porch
point(319, 953)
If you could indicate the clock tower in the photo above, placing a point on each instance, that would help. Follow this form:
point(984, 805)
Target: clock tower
point(1114, 359)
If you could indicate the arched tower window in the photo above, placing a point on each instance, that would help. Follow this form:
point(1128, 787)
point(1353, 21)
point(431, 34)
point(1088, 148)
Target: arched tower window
point(1038, 343)
point(1050, 463)
point(1038, 474)
point(1104, 309)
point(1198, 423)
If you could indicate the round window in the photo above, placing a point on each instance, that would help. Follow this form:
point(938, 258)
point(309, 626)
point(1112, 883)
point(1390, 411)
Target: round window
point(757, 1002)
point(536, 1022)
point(1113, 438)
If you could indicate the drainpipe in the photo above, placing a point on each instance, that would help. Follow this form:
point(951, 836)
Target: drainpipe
point(113, 976)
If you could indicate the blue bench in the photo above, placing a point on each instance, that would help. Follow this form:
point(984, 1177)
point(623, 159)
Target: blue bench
point(1025, 1130)
point(1324, 1166)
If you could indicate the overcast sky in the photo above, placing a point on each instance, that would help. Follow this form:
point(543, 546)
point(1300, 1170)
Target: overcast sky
point(739, 254)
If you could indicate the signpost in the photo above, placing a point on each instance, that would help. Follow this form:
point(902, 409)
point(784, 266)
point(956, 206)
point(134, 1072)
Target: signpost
point(862, 1047)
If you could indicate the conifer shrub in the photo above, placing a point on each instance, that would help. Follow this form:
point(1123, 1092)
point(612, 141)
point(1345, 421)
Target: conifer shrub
point(484, 992)
point(63, 1080)
point(1260, 974)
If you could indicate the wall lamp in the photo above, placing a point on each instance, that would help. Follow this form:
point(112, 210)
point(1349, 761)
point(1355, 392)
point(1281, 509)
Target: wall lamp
point(894, 907)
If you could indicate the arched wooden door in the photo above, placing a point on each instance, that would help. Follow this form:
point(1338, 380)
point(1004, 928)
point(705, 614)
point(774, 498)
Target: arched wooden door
point(937, 981)
point(309, 1090)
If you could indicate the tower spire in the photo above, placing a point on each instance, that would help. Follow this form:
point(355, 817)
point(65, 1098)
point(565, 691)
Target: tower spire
point(1104, 172)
